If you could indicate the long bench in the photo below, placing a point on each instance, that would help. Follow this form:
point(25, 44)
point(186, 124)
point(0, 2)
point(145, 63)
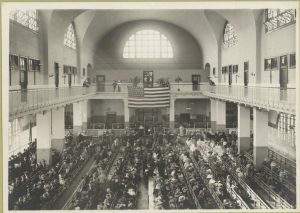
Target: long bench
point(196, 201)
point(202, 174)
point(258, 201)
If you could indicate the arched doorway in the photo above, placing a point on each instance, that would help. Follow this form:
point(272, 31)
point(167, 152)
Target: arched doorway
point(206, 72)
point(89, 71)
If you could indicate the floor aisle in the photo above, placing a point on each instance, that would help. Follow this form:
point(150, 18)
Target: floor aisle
point(68, 193)
point(150, 194)
point(143, 199)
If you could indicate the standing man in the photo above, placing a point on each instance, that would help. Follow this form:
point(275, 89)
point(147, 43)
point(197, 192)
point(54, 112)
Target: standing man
point(114, 85)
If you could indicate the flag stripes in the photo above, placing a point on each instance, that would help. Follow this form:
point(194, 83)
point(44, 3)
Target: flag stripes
point(154, 97)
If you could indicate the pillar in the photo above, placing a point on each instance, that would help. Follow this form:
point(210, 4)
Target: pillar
point(58, 129)
point(243, 128)
point(172, 113)
point(43, 149)
point(213, 115)
point(260, 136)
point(84, 111)
point(126, 113)
point(221, 115)
point(77, 117)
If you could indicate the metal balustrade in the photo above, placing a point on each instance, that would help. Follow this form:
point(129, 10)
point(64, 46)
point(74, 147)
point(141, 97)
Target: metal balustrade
point(22, 102)
point(283, 100)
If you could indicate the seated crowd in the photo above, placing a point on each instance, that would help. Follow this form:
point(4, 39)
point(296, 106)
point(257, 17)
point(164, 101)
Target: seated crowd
point(205, 171)
point(45, 182)
point(221, 150)
point(93, 182)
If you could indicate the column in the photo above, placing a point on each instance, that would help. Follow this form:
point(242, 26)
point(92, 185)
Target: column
point(43, 149)
point(213, 115)
point(243, 128)
point(221, 115)
point(260, 136)
point(126, 113)
point(58, 129)
point(77, 117)
point(84, 111)
point(172, 113)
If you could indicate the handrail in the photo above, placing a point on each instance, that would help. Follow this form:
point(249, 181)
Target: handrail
point(196, 201)
point(274, 195)
point(272, 153)
point(286, 183)
point(212, 192)
point(236, 196)
point(71, 199)
point(22, 102)
point(245, 186)
point(272, 98)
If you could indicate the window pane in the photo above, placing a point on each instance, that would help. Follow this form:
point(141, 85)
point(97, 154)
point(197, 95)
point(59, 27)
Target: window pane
point(148, 44)
point(229, 37)
point(27, 18)
point(278, 17)
point(70, 39)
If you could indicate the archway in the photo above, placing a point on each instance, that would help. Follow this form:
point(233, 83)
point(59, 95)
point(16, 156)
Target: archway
point(89, 72)
point(207, 69)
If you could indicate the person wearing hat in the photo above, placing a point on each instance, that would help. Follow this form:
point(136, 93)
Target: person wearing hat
point(119, 85)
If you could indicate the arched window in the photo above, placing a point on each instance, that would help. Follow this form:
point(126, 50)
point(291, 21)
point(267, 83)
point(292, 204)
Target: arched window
point(27, 18)
point(276, 18)
point(148, 44)
point(70, 38)
point(230, 37)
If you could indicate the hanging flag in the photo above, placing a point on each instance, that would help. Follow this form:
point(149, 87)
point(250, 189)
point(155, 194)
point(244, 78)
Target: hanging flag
point(154, 97)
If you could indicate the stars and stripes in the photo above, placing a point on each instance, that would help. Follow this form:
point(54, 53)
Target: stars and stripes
point(140, 97)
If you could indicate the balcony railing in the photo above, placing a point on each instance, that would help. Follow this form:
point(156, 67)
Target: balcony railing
point(283, 100)
point(22, 102)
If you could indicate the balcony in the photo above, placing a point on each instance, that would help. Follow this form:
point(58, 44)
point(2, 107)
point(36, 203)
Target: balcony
point(186, 90)
point(282, 100)
point(24, 102)
point(107, 91)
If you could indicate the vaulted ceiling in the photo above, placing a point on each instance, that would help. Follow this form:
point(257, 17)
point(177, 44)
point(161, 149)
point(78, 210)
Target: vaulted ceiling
point(206, 26)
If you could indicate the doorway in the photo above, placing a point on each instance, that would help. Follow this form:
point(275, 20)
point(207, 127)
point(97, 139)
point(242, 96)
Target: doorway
point(230, 75)
point(100, 83)
point(23, 78)
point(89, 72)
point(207, 70)
point(196, 79)
point(148, 78)
point(283, 77)
point(111, 117)
point(56, 74)
point(246, 73)
point(149, 117)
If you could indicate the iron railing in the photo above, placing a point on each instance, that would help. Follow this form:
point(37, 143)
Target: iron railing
point(265, 97)
point(26, 101)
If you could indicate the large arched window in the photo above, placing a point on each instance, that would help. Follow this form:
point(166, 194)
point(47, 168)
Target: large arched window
point(230, 37)
point(148, 44)
point(70, 38)
point(275, 18)
point(27, 18)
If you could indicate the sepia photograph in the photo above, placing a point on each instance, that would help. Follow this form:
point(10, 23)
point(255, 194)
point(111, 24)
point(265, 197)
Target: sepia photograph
point(150, 106)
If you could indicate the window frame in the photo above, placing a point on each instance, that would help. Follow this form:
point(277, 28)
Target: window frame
point(14, 66)
point(229, 36)
point(34, 65)
point(148, 44)
point(275, 20)
point(293, 65)
point(27, 24)
point(70, 38)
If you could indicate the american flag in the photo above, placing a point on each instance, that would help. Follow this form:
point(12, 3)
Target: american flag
point(154, 97)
